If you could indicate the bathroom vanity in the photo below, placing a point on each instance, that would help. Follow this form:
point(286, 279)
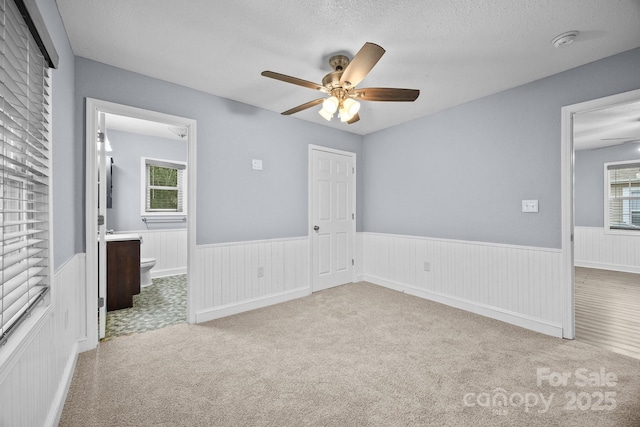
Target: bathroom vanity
point(123, 270)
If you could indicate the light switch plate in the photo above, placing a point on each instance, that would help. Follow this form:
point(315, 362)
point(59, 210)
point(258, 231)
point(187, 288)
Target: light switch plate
point(530, 206)
point(256, 164)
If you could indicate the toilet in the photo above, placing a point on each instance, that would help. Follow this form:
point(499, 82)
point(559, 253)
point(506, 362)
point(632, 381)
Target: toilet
point(146, 264)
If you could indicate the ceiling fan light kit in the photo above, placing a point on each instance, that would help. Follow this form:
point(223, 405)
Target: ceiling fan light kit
point(340, 85)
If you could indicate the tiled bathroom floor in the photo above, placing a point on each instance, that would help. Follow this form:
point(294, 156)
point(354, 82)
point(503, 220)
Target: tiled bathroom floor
point(162, 304)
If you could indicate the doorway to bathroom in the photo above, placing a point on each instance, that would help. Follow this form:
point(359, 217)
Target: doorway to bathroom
point(145, 160)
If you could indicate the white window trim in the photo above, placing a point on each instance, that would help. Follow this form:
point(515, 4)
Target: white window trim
point(143, 188)
point(607, 187)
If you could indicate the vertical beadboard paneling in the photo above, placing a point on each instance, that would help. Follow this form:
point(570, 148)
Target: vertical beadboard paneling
point(521, 285)
point(168, 247)
point(596, 249)
point(359, 253)
point(227, 275)
point(36, 365)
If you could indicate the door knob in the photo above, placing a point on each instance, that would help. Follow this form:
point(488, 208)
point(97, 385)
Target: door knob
point(316, 228)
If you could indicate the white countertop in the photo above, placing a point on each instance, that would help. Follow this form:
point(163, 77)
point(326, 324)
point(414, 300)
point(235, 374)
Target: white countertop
point(121, 237)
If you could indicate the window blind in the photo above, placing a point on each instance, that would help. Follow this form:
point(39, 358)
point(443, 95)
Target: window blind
point(164, 186)
point(624, 196)
point(24, 178)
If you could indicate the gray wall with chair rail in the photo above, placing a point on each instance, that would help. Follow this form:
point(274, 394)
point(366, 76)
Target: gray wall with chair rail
point(463, 172)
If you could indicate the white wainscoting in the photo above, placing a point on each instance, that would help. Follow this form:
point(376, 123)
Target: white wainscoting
point(515, 284)
point(168, 247)
point(225, 278)
point(594, 248)
point(359, 257)
point(37, 363)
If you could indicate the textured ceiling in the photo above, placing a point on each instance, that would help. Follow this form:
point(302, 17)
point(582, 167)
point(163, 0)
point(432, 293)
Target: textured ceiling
point(454, 51)
point(607, 127)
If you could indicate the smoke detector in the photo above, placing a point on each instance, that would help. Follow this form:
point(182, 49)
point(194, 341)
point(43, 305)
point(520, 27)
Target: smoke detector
point(564, 39)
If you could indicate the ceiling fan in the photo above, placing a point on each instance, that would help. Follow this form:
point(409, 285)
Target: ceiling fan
point(340, 85)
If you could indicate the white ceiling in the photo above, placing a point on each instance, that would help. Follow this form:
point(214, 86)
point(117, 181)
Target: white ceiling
point(607, 127)
point(143, 127)
point(454, 51)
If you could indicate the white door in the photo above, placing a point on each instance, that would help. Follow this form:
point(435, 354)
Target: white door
point(332, 217)
point(102, 219)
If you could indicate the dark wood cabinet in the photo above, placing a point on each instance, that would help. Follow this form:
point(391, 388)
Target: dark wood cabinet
point(123, 273)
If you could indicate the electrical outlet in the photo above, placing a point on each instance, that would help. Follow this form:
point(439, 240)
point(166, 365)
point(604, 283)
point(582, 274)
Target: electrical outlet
point(427, 266)
point(260, 271)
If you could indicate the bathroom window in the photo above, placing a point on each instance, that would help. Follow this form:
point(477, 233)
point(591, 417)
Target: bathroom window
point(164, 187)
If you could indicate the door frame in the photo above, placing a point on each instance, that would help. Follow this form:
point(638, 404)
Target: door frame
point(93, 108)
point(352, 242)
point(567, 195)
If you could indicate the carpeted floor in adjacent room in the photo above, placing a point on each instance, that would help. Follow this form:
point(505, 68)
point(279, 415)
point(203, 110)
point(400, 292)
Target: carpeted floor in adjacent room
point(355, 355)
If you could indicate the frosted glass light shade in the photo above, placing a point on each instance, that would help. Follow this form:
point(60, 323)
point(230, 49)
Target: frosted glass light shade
point(327, 115)
point(330, 105)
point(351, 106)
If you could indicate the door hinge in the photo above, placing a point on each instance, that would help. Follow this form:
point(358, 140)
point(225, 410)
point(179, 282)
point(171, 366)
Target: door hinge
point(100, 302)
point(353, 262)
point(100, 220)
point(353, 170)
point(100, 136)
point(353, 216)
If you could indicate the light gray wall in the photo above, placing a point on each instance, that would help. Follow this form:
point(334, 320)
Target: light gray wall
point(128, 149)
point(462, 173)
point(234, 203)
point(66, 171)
point(589, 181)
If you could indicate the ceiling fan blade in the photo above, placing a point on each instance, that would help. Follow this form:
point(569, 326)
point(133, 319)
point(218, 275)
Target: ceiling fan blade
point(293, 80)
point(354, 119)
point(303, 106)
point(613, 144)
point(361, 64)
point(386, 94)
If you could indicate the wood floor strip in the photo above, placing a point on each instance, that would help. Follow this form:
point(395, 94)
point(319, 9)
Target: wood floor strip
point(607, 310)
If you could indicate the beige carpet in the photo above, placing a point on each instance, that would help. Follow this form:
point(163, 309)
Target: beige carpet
point(356, 355)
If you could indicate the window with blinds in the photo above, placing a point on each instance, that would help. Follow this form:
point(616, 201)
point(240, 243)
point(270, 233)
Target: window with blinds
point(623, 196)
point(24, 178)
point(164, 187)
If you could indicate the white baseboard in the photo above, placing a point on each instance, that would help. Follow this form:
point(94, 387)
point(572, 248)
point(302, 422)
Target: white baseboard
point(359, 278)
point(53, 419)
point(251, 304)
point(168, 272)
point(538, 325)
point(603, 266)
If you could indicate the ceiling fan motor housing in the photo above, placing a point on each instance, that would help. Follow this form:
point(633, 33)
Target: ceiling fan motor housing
point(332, 80)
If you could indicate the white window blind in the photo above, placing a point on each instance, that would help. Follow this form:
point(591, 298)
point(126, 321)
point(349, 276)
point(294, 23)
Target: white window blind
point(164, 186)
point(623, 198)
point(24, 178)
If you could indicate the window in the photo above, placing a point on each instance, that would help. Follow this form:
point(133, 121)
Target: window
point(622, 182)
point(24, 160)
point(163, 190)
